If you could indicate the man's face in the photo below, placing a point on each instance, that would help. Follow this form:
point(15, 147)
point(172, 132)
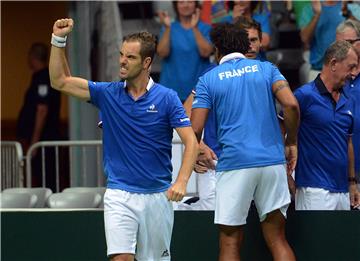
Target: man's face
point(255, 43)
point(130, 60)
point(346, 69)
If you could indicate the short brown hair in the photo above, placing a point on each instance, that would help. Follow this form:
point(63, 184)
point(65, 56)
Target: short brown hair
point(147, 42)
point(338, 50)
point(247, 23)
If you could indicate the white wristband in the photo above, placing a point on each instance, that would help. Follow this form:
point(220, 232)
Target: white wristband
point(58, 41)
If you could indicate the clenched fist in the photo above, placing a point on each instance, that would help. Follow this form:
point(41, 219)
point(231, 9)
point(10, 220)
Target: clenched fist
point(63, 27)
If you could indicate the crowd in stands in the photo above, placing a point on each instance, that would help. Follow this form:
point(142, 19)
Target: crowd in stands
point(186, 52)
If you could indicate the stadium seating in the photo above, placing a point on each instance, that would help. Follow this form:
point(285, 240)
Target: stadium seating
point(41, 193)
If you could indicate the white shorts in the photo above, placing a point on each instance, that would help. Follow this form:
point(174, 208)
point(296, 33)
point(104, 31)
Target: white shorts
point(307, 198)
point(139, 224)
point(235, 190)
point(206, 188)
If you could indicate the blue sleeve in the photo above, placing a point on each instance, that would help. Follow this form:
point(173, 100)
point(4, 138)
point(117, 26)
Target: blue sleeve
point(353, 114)
point(300, 97)
point(176, 112)
point(97, 90)
point(202, 97)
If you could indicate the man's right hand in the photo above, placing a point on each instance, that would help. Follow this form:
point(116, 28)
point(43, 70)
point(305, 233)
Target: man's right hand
point(205, 159)
point(63, 27)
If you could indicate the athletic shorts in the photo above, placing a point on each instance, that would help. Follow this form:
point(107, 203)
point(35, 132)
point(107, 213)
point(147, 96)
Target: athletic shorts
point(307, 198)
point(139, 224)
point(206, 187)
point(235, 190)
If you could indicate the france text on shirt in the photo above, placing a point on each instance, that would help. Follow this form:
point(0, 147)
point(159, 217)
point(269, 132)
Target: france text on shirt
point(238, 72)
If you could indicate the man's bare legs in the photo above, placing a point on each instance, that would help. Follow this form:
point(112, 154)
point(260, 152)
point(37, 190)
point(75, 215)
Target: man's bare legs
point(230, 241)
point(273, 228)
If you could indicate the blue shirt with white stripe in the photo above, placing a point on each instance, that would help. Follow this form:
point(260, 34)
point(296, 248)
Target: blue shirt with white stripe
point(137, 135)
point(239, 90)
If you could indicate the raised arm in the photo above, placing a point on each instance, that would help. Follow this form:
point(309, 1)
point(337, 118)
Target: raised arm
point(204, 47)
point(307, 32)
point(291, 111)
point(59, 71)
point(178, 190)
point(163, 47)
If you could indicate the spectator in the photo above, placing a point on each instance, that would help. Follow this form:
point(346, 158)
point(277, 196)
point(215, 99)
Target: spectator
point(242, 94)
point(318, 24)
point(325, 165)
point(139, 116)
point(39, 116)
point(184, 46)
point(257, 10)
point(349, 30)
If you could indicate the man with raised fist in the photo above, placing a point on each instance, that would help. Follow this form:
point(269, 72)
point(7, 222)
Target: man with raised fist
point(139, 116)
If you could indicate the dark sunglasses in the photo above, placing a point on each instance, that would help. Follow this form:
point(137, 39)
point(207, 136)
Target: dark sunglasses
point(352, 41)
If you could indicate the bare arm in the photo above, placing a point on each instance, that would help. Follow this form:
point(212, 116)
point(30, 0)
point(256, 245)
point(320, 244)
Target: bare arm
point(178, 190)
point(198, 119)
point(163, 48)
point(204, 47)
point(307, 32)
point(59, 71)
point(353, 191)
point(291, 111)
point(188, 104)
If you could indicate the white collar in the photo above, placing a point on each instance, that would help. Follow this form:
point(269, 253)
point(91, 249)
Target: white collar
point(231, 56)
point(149, 85)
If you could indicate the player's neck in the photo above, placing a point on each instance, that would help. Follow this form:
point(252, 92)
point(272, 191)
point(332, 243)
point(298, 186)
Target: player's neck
point(137, 86)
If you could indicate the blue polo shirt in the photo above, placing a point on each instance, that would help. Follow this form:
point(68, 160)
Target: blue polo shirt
point(239, 91)
point(323, 138)
point(137, 135)
point(353, 89)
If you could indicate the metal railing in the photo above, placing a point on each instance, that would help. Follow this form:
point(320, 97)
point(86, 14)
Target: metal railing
point(12, 163)
point(80, 164)
point(78, 152)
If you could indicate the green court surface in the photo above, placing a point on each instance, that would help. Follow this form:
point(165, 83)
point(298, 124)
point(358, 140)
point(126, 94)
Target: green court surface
point(78, 235)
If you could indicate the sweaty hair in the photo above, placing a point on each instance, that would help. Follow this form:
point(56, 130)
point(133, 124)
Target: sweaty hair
point(229, 38)
point(349, 23)
point(39, 51)
point(338, 50)
point(248, 23)
point(147, 42)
